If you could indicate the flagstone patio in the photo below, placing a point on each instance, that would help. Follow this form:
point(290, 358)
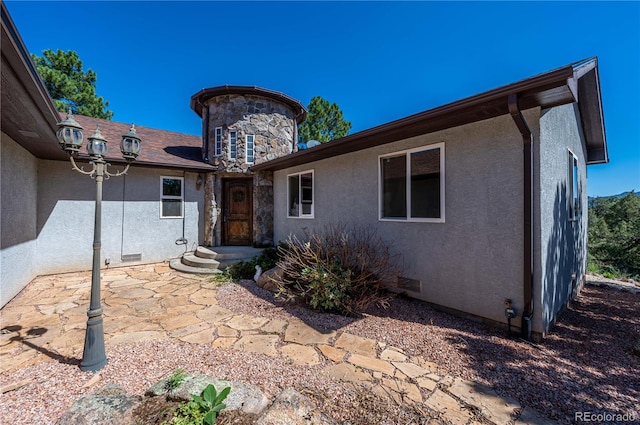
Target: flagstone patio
point(47, 320)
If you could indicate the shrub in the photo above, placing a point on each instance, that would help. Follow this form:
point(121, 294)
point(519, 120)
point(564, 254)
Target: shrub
point(247, 269)
point(337, 269)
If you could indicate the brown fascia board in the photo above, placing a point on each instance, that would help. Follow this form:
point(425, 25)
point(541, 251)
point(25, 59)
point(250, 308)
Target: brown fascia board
point(198, 99)
point(545, 90)
point(31, 89)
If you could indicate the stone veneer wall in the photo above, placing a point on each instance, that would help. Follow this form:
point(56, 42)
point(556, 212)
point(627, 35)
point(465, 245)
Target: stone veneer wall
point(272, 123)
point(274, 127)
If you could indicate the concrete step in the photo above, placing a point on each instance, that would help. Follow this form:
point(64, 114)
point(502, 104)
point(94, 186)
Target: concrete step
point(192, 260)
point(177, 264)
point(235, 253)
point(203, 252)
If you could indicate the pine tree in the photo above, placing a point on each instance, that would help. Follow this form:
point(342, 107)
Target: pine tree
point(70, 86)
point(324, 122)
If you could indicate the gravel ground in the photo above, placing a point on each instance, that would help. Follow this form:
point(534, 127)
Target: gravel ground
point(585, 364)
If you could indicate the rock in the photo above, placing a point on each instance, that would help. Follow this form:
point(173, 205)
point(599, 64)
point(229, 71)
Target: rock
point(636, 348)
point(268, 280)
point(109, 406)
point(243, 397)
point(292, 408)
point(497, 409)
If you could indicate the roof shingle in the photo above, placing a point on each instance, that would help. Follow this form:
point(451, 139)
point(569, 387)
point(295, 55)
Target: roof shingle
point(159, 147)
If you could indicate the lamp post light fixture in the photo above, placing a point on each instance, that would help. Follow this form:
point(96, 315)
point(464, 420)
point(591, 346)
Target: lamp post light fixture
point(70, 137)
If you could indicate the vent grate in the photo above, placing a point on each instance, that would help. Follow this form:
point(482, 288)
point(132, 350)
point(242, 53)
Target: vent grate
point(131, 257)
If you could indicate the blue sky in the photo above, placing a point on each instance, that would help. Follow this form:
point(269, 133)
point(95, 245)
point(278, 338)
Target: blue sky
point(379, 61)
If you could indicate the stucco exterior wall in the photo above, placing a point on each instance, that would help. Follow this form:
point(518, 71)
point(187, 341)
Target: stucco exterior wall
point(131, 222)
point(472, 261)
point(562, 256)
point(19, 188)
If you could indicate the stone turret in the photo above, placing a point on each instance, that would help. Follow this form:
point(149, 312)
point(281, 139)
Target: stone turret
point(243, 126)
point(231, 114)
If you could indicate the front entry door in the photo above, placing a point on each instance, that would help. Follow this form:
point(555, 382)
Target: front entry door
point(238, 212)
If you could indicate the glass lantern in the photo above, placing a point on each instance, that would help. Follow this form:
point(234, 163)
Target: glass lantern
point(97, 145)
point(70, 135)
point(130, 144)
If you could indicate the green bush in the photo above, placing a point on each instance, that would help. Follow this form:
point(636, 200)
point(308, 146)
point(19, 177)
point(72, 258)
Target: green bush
point(337, 269)
point(247, 269)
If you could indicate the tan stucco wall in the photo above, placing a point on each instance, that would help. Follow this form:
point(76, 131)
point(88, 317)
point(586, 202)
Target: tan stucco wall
point(472, 261)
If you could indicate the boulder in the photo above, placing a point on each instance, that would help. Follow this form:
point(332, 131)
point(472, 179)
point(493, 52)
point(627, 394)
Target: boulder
point(269, 280)
point(293, 408)
point(108, 406)
point(243, 397)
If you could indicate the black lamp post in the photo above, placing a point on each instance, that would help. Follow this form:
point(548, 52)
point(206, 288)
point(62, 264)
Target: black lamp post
point(71, 137)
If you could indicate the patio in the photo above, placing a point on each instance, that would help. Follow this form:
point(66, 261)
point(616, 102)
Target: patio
point(178, 321)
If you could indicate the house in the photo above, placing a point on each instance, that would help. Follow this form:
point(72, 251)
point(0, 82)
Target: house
point(153, 213)
point(483, 198)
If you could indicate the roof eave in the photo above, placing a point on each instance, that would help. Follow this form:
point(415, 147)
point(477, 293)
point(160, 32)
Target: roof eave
point(545, 90)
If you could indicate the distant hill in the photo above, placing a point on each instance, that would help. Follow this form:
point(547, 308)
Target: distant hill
point(618, 196)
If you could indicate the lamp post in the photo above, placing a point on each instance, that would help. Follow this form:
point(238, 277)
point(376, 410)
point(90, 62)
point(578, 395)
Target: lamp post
point(70, 137)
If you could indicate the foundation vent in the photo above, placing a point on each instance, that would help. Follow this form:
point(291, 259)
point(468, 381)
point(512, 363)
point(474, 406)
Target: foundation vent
point(131, 257)
point(408, 284)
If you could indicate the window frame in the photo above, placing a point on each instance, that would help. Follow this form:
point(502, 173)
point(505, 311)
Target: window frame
point(573, 187)
point(163, 196)
point(407, 153)
point(217, 137)
point(313, 195)
point(233, 155)
point(253, 148)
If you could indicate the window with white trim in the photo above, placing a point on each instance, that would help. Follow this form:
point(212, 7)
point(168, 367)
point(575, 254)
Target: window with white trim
point(574, 188)
point(411, 185)
point(218, 141)
point(300, 194)
point(171, 197)
point(233, 145)
point(249, 149)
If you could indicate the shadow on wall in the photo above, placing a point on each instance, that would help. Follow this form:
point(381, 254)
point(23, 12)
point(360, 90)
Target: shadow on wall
point(566, 259)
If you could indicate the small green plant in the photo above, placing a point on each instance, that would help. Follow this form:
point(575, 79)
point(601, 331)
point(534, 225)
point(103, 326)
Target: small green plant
point(203, 409)
point(175, 380)
point(247, 269)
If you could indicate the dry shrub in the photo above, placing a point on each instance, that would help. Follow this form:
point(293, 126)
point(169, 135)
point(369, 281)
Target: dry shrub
point(338, 269)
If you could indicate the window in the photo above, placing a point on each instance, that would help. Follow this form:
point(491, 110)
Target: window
point(574, 189)
point(300, 194)
point(411, 185)
point(171, 197)
point(233, 145)
point(218, 140)
point(249, 147)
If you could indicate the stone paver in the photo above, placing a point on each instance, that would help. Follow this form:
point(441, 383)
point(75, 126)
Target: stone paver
point(371, 364)
point(332, 353)
point(154, 302)
point(348, 373)
point(301, 333)
point(449, 407)
point(302, 355)
point(263, 344)
point(497, 409)
point(356, 344)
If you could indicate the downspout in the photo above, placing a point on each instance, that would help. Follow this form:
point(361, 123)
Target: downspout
point(183, 240)
point(528, 260)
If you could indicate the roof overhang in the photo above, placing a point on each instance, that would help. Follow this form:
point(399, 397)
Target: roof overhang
point(29, 115)
point(553, 88)
point(203, 96)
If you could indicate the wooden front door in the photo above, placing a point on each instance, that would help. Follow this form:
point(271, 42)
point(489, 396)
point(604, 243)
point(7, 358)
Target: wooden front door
point(238, 212)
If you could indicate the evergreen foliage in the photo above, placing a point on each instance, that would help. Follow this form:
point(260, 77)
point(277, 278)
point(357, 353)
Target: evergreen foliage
point(614, 236)
point(70, 86)
point(324, 122)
